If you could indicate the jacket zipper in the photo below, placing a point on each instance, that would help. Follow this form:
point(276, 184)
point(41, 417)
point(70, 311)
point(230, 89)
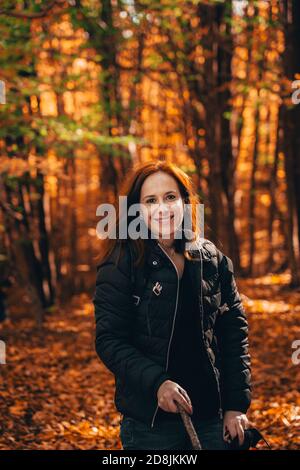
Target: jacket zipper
point(167, 363)
point(209, 358)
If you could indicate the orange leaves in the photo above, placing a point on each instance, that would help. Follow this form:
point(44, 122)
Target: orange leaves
point(273, 313)
point(18, 409)
point(56, 393)
point(16, 167)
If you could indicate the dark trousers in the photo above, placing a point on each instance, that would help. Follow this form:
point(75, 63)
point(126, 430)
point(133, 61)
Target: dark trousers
point(166, 435)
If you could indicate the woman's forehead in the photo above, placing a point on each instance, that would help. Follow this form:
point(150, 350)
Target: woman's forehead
point(159, 184)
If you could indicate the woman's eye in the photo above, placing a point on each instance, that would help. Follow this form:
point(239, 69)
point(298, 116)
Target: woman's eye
point(152, 199)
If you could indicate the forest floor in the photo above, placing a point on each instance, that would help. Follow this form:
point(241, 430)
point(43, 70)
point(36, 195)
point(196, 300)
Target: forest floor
point(56, 394)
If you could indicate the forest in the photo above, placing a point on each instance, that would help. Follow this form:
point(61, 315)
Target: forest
point(88, 88)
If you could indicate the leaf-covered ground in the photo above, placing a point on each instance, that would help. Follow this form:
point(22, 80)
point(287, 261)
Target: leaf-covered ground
point(56, 394)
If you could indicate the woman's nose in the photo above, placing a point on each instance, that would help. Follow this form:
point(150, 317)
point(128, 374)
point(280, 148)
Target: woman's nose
point(163, 210)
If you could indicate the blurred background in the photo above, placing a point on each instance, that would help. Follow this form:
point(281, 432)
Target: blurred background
point(90, 87)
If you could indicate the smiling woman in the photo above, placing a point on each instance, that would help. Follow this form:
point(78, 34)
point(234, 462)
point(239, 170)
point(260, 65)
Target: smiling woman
point(161, 191)
point(163, 212)
point(188, 327)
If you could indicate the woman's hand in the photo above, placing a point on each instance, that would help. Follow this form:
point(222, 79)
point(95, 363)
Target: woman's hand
point(170, 391)
point(234, 424)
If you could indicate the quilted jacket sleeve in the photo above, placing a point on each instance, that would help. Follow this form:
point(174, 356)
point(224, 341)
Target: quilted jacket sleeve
point(114, 316)
point(232, 336)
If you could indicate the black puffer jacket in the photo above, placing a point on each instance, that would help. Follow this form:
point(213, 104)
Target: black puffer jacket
point(134, 341)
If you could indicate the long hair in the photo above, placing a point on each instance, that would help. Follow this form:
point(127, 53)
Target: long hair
point(131, 187)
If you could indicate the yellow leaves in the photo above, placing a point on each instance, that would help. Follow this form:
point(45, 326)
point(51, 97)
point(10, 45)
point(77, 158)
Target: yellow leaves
point(265, 199)
point(48, 103)
point(87, 430)
point(191, 143)
point(281, 172)
point(16, 167)
point(266, 306)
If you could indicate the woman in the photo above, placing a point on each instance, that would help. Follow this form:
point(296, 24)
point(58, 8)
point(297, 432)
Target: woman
point(182, 337)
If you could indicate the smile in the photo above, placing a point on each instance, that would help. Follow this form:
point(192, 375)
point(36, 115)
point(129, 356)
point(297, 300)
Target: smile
point(165, 219)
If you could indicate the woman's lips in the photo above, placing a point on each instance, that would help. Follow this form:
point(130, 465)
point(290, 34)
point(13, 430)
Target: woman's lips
point(164, 219)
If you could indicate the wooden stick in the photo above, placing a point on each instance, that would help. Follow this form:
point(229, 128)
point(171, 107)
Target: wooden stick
point(189, 427)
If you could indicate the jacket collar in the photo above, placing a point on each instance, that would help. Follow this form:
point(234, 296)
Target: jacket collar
point(203, 249)
point(196, 249)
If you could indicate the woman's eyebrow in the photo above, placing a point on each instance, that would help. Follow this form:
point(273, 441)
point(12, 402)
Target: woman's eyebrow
point(154, 195)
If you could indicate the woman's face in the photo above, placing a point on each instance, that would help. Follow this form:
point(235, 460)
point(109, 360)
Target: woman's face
point(161, 204)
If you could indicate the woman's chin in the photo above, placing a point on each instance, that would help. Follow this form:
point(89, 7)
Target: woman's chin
point(163, 233)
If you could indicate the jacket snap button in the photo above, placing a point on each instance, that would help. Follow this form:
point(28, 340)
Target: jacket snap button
point(154, 262)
